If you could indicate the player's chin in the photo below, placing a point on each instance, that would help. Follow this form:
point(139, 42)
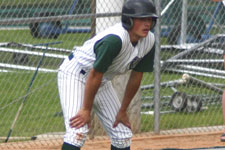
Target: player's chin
point(144, 33)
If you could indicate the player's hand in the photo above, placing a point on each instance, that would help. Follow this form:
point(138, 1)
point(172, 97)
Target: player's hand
point(82, 118)
point(123, 118)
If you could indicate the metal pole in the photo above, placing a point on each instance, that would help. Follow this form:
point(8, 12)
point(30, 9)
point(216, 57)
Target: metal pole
point(171, 83)
point(70, 12)
point(28, 90)
point(157, 71)
point(25, 97)
point(167, 7)
point(184, 22)
point(93, 19)
point(16, 21)
point(201, 83)
point(194, 48)
point(212, 20)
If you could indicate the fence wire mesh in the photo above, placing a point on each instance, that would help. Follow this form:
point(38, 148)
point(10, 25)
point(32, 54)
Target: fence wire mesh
point(35, 36)
point(192, 67)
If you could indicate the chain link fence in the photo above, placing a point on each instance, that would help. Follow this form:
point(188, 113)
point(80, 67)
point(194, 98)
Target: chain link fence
point(37, 35)
point(192, 68)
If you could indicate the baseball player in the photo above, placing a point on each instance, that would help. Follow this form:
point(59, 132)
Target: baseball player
point(84, 78)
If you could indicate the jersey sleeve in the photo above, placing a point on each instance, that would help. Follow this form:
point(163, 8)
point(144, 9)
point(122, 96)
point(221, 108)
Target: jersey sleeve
point(106, 50)
point(147, 63)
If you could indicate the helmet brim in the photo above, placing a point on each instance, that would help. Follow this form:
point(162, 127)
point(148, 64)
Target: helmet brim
point(140, 15)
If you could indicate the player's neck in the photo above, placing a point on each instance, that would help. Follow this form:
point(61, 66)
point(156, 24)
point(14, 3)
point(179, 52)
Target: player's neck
point(134, 38)
point(134, 44)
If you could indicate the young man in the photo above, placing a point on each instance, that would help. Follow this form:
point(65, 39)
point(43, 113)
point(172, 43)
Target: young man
point(84, 78)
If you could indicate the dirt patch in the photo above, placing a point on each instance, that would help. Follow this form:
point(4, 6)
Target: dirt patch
point(139, 142)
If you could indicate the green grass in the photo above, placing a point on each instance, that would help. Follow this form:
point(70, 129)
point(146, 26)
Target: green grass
point(179, 120)
point(189, 88)
point(42, 104)
point(210, 117)
point(24, 36)
point(68, 41)
point(38, 115)
point(40, 107)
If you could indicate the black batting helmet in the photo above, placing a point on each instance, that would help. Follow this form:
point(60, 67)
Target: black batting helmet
point(137, 9)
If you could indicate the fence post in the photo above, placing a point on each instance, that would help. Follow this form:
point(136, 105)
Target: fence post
point(184, 22)
point(157, 71)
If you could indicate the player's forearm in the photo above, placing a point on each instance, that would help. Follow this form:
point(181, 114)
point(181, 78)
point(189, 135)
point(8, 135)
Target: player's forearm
point(131, 89)
point(92, 85)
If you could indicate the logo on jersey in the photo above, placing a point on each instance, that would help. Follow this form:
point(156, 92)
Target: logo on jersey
point(134, 62)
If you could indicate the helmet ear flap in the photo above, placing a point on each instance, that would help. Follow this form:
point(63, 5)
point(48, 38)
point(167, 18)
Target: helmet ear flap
point(127, 22)
point(153, 23)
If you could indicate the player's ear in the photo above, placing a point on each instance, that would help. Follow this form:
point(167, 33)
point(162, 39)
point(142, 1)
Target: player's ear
point(127, 22)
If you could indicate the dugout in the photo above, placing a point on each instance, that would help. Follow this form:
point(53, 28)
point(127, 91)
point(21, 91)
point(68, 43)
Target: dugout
point(200, 15)
point(27, 8)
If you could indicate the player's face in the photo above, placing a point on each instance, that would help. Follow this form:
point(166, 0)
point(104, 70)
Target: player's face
point(141, 27)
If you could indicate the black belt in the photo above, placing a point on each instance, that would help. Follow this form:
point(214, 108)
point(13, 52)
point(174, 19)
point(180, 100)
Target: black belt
point(71, 56)
point(82, 71)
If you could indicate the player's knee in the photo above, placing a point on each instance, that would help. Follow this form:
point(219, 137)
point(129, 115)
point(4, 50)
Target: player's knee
point(76, 139)
point(121, 144)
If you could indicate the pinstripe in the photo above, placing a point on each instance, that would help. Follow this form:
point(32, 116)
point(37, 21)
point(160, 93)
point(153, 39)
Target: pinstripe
point(71, 94)
point(108, 106)
point(71, 84)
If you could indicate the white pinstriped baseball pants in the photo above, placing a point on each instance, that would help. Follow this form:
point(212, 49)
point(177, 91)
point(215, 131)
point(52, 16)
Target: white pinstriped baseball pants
point(106, 105)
